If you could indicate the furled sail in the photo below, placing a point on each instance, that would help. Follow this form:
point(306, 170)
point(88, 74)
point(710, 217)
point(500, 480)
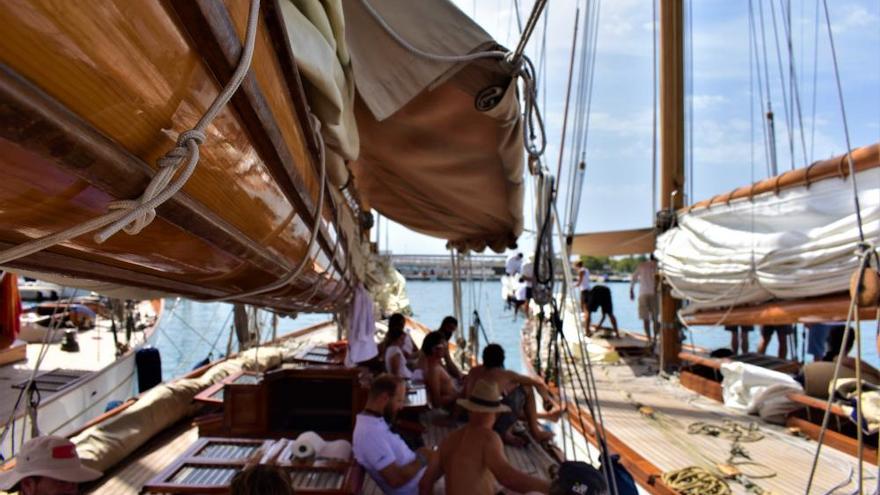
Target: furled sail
point(441, 143)
point(786, 238)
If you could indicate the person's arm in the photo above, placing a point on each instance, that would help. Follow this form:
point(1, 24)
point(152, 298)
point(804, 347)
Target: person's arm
point(397, 476)
point(510, 477)
point(632, 283)
point(451, 368)
point(433, 473)
point(521, 379)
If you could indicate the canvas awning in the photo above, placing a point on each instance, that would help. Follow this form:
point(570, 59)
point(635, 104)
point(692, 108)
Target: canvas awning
point(614, 243)
point(429, 158)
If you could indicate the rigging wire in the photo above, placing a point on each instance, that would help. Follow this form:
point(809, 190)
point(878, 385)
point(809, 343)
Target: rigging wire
point(794, 87)
point(785, 106)
point(815, 84)
point(852, 172)
point(772, 164)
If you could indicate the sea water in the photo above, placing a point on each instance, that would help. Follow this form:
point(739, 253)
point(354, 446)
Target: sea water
point(189, 332)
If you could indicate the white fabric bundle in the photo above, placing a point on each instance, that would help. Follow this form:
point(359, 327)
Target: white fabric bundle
point(756, 390)
point(795, 244)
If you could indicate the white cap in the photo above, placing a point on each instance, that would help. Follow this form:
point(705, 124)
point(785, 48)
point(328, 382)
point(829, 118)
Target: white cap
point(50, 457)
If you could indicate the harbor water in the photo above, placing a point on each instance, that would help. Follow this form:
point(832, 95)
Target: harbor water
point(189, 332)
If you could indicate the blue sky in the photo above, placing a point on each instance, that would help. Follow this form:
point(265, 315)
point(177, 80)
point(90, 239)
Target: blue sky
point(618, 188)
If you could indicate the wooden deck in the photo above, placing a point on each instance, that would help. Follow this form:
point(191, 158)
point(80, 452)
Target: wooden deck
point(646, 418)
point(129, 477)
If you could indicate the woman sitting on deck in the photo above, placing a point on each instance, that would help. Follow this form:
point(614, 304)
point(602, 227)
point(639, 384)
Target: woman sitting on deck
point(395, 357)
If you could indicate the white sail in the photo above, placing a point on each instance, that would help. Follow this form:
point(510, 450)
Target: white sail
point(796, 243)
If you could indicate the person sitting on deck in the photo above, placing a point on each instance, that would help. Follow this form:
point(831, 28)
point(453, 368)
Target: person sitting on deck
point(47, 465)
point(600, 298)
point(442, 388)
point(447, 330)
point(395, 357)
point(472, 457)
point(644, 276)
point(261, 479)
point(383, 454)
point(517, 393)
point(397, 320)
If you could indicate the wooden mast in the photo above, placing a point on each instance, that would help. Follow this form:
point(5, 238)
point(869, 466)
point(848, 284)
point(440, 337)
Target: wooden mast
point(671, 154)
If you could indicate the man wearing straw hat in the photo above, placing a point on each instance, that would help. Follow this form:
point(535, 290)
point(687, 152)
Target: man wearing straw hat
point(472, 457)
point(47, 466)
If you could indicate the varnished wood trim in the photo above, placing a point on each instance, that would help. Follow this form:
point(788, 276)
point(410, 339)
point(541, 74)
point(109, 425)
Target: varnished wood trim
point(36, 121)
point(832, 439)
point(211, 28)
point(824, 308)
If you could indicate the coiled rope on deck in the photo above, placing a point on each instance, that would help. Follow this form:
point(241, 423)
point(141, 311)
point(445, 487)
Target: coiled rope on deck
point(694, 480)
point(134, 215)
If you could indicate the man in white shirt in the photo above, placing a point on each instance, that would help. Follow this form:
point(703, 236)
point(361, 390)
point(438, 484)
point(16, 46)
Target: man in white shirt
point(514, 264)
point(583, 284)
point(644, 276)
point(383, 454)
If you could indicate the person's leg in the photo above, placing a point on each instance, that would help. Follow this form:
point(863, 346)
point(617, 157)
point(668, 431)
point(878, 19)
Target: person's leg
point(647, 328)
point(766, 334)
point(782, 336)
point(587, 318)
point(614, 324)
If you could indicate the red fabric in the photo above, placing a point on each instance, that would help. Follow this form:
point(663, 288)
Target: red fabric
point(10, 308)
point(64, 452)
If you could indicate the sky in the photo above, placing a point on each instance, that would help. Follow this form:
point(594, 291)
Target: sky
point(726, 143)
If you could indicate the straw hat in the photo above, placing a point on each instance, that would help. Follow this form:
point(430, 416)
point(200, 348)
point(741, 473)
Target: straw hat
point(484, 398)
point(50, 457)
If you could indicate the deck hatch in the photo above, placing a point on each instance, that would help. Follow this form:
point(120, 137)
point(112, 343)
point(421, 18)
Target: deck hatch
point(55, 380)
point(227, 450)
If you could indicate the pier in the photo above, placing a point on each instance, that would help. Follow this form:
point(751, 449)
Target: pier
point(439, 266)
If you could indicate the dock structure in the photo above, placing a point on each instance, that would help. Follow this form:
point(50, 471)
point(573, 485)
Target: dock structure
point(439, 266)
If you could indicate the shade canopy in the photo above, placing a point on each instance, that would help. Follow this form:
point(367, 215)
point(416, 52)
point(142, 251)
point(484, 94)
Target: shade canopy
point(614, 243)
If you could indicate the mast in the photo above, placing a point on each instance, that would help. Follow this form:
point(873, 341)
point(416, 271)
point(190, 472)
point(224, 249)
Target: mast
point(671, 154)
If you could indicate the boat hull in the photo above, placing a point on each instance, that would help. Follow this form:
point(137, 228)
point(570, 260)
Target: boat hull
point(70, 409)
point(91, 98)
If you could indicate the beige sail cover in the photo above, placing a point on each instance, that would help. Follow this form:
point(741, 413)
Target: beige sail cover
point(429, 159)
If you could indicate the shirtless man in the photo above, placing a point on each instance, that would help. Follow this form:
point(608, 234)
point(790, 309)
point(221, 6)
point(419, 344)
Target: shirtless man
point(442, 389)
point(472, 457)
point(517, 394)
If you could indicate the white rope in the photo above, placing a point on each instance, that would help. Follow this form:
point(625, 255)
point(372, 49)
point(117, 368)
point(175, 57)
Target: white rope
point(133, 215)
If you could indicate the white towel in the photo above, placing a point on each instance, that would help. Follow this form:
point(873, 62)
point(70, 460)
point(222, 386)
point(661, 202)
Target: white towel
point(361, 343)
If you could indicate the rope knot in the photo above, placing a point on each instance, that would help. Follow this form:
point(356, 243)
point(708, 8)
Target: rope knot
point(191, 135)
